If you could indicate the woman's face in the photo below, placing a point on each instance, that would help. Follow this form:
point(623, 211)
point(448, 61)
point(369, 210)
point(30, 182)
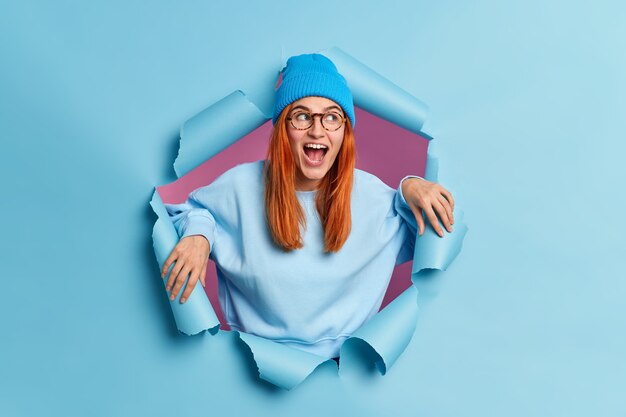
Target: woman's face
point(314, 149)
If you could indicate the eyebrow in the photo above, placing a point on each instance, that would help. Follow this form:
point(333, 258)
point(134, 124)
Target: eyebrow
point(307, 109)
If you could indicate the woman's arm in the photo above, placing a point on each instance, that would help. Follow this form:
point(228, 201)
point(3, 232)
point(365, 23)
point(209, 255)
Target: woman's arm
point(198, 222)
point(429, 198)
point(195, 224)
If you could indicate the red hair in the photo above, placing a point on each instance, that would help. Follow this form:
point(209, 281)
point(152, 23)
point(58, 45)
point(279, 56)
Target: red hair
point(283, 210)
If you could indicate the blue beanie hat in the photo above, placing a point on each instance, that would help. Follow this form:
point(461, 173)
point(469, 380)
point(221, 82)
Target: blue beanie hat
point(312, 75)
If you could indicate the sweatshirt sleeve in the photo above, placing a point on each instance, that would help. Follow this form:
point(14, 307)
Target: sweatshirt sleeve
point(215, 207)
point(405, 212)
point(193, 217)
point(402, 207)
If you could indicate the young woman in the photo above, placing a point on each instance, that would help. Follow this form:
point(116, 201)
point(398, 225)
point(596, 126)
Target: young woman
point(304, 243)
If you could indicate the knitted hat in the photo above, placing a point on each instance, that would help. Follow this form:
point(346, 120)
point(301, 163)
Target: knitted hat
point(312, 75)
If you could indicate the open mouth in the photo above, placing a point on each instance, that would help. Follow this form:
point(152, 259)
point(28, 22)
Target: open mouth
point(315, 153)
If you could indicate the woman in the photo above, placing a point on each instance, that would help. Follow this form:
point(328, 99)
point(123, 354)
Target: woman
point(304, 243)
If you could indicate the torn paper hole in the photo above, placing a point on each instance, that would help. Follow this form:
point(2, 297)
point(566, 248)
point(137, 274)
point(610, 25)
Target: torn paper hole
point(233, 131)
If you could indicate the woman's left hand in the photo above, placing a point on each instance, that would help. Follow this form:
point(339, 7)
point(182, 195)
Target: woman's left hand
point(433, 199)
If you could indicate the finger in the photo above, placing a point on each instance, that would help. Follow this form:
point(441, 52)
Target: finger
point(420, 223)
point(448, 197)
point(443, 215)
point(203, 275)
point(190, 285)
point(417, 212)
point(180, 280)
point(167, 263)
point(446, 205)
point(180, 263)
point(430, 214)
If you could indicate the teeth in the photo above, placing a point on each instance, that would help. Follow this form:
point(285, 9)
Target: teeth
point(315, 146)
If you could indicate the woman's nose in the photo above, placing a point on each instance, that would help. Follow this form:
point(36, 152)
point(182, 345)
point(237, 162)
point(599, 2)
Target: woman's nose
point(316, 129)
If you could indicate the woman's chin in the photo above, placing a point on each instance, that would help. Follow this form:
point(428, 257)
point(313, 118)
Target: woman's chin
point(309, 178)
point(314, 174)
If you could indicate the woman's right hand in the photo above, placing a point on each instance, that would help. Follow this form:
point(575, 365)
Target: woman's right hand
point(191, 255)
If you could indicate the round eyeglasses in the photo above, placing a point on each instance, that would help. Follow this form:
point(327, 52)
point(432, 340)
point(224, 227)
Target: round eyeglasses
point(302, 120)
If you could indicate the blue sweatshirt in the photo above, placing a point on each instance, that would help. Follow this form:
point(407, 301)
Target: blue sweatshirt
point(305, 298)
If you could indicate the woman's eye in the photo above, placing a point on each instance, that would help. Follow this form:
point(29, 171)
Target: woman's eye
point(302, 117)
point(331, 117)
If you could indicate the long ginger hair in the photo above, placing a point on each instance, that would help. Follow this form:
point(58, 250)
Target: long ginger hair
point(283, 210)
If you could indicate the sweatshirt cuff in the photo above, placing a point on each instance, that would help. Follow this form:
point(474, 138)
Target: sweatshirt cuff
point(199, 224)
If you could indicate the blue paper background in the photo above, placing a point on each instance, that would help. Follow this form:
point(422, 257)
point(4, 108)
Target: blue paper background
point(527, 109)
